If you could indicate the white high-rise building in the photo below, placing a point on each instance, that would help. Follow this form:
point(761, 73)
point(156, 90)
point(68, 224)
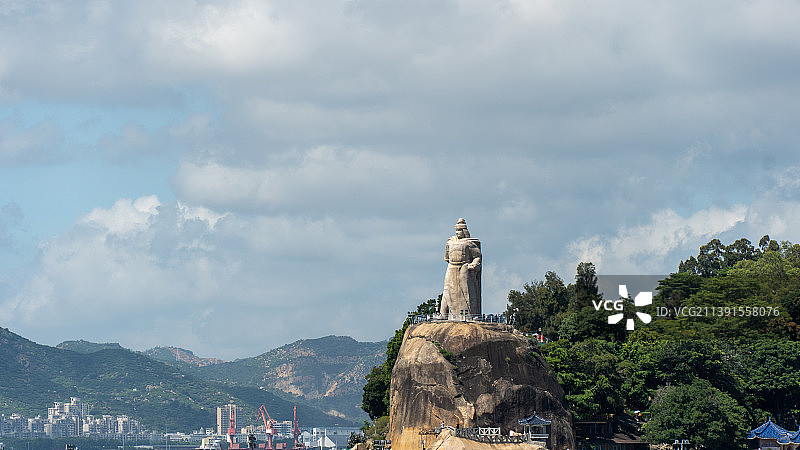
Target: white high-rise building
point(36, 427)
point(224, 414)
point(283, 429)
point(69, 416)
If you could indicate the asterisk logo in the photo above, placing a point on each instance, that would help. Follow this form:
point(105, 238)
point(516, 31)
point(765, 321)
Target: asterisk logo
point(642, 299)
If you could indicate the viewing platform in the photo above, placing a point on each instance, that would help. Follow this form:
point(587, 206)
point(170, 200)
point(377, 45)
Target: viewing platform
point(462, 317)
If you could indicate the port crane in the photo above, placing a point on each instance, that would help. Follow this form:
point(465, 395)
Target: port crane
point(268, 422)
point(232, 428)
point(296, 429)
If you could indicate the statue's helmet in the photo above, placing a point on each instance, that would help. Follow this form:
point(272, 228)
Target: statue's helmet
point(461, 224)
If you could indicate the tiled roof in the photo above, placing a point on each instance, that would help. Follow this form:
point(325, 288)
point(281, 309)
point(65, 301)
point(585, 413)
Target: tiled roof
point(768, 430)
point(533, 420)
point(790, 438)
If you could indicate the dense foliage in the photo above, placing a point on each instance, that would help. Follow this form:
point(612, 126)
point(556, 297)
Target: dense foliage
point(699, 412)
point(707, 378)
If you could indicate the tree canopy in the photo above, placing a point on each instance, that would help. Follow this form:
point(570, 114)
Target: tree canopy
point(706, 377)
point(697, 411)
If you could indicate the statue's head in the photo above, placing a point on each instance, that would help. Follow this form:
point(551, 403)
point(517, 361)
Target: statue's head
point(461, 229)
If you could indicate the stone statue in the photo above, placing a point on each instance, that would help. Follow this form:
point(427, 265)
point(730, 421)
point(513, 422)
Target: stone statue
point(462, 280)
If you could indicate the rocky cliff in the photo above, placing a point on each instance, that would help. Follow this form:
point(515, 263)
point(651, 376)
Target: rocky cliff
point(327, 372)
point(472, 375)
point(179, 356)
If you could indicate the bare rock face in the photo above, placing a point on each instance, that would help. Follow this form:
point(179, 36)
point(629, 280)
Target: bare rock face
point(472, 375)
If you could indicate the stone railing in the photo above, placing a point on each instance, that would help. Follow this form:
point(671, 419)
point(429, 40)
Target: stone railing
point(482, 318)
point(488, 434)
point(382, 444)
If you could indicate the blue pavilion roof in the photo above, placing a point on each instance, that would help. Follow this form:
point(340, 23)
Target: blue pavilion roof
point(768, 430)
point(790, 438)
point(533, 420)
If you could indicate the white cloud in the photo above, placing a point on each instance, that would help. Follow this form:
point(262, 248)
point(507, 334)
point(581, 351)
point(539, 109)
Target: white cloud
point(198, 213)
point(125, 216)
point(775, 216)
point(233, 37)
point(146, 273)
point(495, 284)
point(787, 182)
point(321, 180)
point(324, 151)
point(643, 249)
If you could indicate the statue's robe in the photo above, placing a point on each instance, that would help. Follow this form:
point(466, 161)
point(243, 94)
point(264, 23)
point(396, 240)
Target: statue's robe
point(462, 286)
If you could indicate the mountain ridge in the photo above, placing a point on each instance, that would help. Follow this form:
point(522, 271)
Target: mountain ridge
point(168, 354)
point(328, 372)
point(82, 346)
point(120, 381)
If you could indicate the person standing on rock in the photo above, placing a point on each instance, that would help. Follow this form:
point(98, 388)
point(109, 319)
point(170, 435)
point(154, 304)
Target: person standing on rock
point(462, 280)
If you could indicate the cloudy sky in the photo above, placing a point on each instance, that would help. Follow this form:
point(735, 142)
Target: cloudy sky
point(229, 177)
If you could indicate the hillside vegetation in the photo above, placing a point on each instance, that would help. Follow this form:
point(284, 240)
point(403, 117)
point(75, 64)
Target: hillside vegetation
point(729, 359)
point(726, 358)
point(81, 346)
point(119, 381)
point(327, 372)
point(179, 357)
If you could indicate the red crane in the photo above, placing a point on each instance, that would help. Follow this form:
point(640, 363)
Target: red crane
point(296, 428)
point(232, 427)
point(268, 421)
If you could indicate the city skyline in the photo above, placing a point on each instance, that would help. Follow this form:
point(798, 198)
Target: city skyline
point(73, 419)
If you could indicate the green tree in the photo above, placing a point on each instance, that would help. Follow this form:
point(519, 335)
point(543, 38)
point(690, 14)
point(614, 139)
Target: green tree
point(375, 400)
point(541, 306)
point(355, 439)
point(740, 250)
point(588, 323)
point(770, 374)
point(587, 371)
point(585, 286)
point(636, 360)
point(377, 429)
point(791, 252)
point(702, 376)
point(766, 244)
point(677, 287)
point(653, 363)
point(582, 321)
point(714, 256)
point(698, 411)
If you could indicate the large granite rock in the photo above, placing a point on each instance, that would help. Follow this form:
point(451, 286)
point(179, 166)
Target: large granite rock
point(472, 375)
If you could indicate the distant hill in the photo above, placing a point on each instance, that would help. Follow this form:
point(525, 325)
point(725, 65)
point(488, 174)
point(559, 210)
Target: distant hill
point(179, 357)
point(328, 372)
point(119, 381)
point(173, 356)
point(82, 346)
